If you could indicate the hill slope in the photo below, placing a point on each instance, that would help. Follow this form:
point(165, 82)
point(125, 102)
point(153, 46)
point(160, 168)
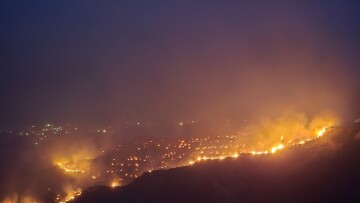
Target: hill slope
point(325, 170)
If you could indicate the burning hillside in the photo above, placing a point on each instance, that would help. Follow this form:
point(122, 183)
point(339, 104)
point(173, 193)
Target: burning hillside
point(93, 161)
point(323, 170)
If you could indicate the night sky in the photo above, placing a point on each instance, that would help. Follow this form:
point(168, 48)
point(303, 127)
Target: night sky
point(98, 62)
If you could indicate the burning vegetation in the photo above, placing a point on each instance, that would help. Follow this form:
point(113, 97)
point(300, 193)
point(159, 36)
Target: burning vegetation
point(123, 162)
point(203, 82)
point(84, 164)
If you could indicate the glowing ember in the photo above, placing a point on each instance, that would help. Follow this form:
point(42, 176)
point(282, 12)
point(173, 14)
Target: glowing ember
point(236, 155)
point(321, 132)
point(115, 183)
point(274, 149)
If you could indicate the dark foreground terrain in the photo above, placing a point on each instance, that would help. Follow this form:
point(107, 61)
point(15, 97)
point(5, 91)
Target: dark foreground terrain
point(324, 170)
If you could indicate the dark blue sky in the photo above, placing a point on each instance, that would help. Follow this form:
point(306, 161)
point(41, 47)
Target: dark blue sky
point(106, 62)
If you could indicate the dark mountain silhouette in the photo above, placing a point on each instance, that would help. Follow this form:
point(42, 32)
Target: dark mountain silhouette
point(324, 170)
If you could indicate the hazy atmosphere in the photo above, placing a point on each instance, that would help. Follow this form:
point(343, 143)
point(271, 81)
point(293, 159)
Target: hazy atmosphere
point(145, 61)
point(95, 94)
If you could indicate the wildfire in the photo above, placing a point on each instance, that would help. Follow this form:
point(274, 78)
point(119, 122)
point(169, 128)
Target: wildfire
point(273, 150)
point(68, 169)
point(126, 165)
point(70, 196)
point(74, 167)
point(202, 149)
